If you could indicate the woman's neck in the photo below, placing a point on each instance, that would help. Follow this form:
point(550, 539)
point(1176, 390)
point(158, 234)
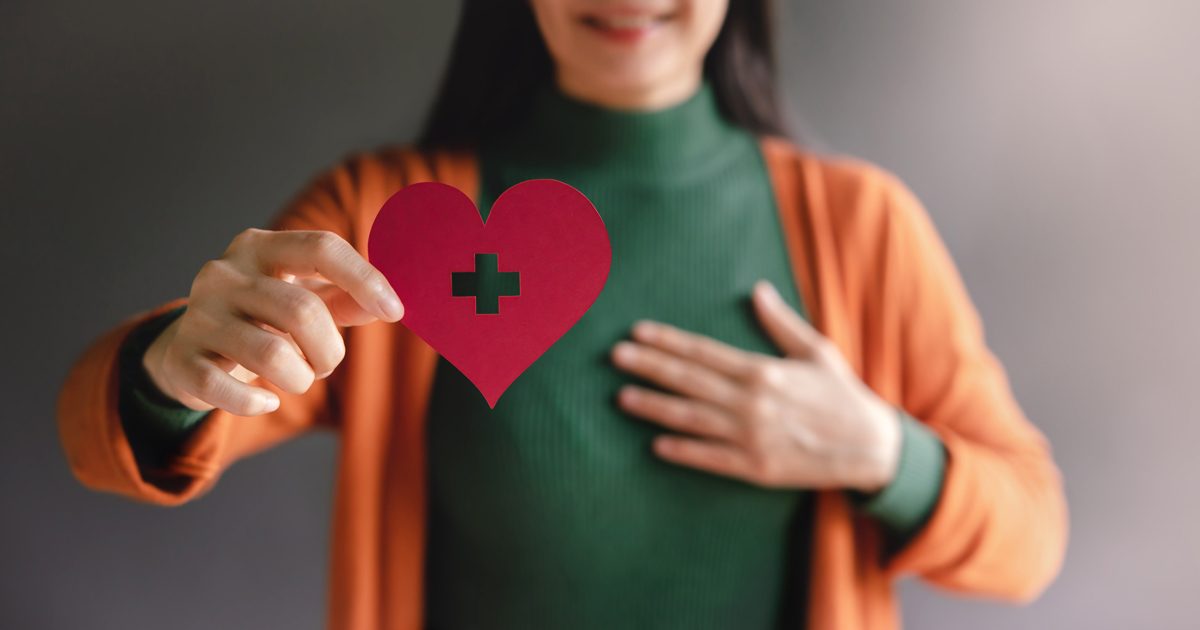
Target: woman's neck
point(679, 141)
point(652, 97)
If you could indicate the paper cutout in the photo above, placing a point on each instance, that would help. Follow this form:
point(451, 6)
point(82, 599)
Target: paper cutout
point(486, 284)
point(492, 298)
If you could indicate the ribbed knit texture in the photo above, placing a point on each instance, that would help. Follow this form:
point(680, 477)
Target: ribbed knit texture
point(551, 511)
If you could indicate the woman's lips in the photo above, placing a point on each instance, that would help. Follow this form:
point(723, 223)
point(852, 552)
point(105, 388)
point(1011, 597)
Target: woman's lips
point(625, 28)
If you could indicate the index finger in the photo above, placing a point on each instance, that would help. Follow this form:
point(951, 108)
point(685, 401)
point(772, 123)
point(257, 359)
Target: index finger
point(309, 253)
point(706, 351)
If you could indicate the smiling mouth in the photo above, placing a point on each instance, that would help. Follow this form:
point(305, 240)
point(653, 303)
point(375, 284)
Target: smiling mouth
point(626, 28)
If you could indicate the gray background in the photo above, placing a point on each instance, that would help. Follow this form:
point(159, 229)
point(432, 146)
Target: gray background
point(1055, 143)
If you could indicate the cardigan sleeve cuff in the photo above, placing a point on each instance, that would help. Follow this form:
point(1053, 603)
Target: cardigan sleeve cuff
point(906, 503)
point(155, 425)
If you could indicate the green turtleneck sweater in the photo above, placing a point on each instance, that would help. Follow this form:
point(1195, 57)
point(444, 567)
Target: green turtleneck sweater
point(550, 510)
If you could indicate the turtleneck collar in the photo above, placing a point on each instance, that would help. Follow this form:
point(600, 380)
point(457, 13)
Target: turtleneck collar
point(568, 132)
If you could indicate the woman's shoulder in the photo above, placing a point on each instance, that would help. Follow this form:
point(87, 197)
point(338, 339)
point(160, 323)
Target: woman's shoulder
point(839, 177)
point(346, 196)
point(386, 169)
point(838, 184)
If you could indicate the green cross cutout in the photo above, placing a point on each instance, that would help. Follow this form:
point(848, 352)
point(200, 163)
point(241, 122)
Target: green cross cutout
point(486, 284)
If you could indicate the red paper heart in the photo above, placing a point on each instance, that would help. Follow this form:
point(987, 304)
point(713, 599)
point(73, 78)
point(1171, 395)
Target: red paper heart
point(542, 229)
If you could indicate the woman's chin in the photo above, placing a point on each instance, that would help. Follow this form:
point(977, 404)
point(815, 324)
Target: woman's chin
point(634, 92)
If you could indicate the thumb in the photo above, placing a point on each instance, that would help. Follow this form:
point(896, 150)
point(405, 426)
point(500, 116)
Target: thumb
point(345, 310)
point(794, 336)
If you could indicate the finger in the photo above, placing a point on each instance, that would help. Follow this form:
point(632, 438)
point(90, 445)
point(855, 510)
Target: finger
point(201, 384)
point(673, 373)
point(706, 351)
point(264, 353)
point(720, 458)
point(242, 374)
point(305, 253)
point(300, 313)
point(686, 416)
point(341, 305)
point(794, 336)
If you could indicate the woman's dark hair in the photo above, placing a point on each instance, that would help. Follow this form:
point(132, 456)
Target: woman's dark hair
point(499, 57)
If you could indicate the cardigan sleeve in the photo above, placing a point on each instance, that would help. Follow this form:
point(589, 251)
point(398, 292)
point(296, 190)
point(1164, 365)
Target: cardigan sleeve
point(1000, 525)
point(90, 424)
point(155, 424)
point(903, 506)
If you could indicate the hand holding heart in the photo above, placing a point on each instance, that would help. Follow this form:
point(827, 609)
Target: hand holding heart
point(270, 306)
point(804, 421)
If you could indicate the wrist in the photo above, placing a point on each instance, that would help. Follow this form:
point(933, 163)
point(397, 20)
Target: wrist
point(909, 498)
point(152, 360)
point(884, 453)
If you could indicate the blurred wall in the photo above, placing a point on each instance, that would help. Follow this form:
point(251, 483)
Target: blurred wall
point(1054, 142)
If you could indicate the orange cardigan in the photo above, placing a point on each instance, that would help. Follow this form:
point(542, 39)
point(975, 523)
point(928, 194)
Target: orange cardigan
point(875, 278)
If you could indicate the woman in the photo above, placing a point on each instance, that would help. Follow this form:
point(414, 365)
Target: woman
point(675, 460)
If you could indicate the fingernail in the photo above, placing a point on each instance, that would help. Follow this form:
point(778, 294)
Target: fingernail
point(391, 307)
point(271, 404)
point(624, 352)
point(324, 375)
point(645, 330)
point(767, 290)
point(628, 394)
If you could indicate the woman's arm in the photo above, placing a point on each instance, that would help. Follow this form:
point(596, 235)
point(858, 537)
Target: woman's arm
point(1000, 527)
point(254, 279)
